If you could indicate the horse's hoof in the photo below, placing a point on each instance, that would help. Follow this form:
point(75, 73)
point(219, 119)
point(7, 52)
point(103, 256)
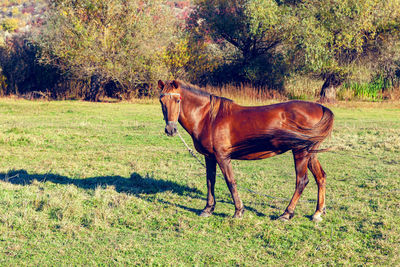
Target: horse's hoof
point(317, 218)
point(286, 216)
point(283, 218)
point(238, 214)
point(205, 214)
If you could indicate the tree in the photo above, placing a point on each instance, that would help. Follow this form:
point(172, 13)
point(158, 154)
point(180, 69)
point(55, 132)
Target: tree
point(250, 26)
point(250, 29)
point(107, 40)
point(330, 36)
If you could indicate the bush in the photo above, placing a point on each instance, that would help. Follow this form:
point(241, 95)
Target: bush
point(21, 69)
point(368, 91)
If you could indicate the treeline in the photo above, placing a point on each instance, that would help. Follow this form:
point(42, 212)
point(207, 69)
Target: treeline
point(120, 48)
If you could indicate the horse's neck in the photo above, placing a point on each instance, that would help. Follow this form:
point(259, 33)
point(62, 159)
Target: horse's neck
point(193, 111)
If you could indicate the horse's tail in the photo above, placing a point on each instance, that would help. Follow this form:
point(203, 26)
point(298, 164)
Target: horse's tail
point(310, 138)
point(292, 137)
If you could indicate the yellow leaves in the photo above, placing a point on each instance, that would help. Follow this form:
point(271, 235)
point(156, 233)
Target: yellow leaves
point(188, 58)
point(10, 24)
point(176, 57)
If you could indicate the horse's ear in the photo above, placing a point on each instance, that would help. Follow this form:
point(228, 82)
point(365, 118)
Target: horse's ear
point(161, 84)
point(175, 84)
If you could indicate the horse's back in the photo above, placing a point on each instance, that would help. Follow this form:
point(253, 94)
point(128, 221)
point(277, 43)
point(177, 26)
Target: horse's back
point(303, 113)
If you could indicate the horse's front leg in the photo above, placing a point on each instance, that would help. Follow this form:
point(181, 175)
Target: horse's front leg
point(226, 168)
point(211, 165)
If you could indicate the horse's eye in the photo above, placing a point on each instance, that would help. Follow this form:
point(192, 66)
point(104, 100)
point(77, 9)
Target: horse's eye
point(178, 101)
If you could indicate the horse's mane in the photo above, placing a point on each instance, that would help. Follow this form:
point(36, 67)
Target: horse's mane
point(218, 105)
point(193, 88)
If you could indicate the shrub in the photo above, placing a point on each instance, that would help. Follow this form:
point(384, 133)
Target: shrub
point(21, 69)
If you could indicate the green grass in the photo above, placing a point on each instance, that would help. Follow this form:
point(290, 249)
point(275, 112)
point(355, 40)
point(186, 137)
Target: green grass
point(371, 91)
point(100, 184)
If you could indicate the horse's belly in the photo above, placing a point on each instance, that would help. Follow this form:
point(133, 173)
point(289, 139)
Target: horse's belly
point(258, 155)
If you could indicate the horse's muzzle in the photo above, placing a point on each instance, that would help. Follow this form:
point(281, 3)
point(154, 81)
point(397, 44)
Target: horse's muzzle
point(171, 129)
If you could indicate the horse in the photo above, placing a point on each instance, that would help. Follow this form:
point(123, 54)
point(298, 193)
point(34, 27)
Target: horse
point(223, 131)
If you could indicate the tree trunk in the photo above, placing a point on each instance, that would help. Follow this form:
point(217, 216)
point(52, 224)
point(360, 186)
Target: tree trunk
point(94, 91)
point(328, 90)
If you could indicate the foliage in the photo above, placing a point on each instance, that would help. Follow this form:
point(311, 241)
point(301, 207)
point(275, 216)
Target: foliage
point(10, 24)
point(119, 41)
point(329, 36)
point(100, 184)
point(119, 48)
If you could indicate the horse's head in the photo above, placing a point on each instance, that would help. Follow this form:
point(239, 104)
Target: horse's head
point(170, 99)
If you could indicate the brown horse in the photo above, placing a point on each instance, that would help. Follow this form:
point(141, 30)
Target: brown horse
point(222, 130)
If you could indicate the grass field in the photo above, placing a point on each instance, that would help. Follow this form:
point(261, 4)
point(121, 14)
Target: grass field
point(100, 184)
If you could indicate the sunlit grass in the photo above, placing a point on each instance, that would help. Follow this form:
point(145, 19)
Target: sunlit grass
point(100, 184)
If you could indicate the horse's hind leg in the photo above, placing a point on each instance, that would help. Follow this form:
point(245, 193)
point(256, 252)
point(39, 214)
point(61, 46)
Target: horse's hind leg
point(320, 178)
point(301, 159)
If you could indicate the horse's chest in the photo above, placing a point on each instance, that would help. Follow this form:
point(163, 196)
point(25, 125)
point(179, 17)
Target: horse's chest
point(203, 147)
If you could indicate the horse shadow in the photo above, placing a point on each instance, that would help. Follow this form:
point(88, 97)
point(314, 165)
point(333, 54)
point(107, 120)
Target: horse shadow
point(136, 184)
